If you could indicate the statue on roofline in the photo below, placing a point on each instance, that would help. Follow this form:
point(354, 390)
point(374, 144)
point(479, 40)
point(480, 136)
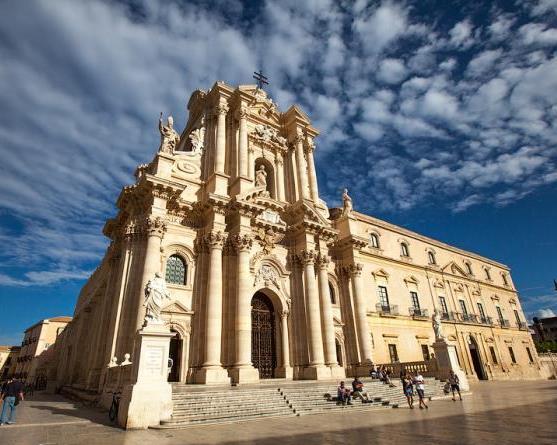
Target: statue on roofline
point(346, 203)
point(169, 137)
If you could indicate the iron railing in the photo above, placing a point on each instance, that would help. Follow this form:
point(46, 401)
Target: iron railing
point(389, 309)
point(417, 312)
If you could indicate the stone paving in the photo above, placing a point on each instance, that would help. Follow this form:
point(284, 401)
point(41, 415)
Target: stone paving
point(496, 412)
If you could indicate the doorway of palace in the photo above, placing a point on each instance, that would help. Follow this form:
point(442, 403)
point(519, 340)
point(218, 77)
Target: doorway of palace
point(174, 357)
point(476, 360)
point(263, 344)
point(339, 352)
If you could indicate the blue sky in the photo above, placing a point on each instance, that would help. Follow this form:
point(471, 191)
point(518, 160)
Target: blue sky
point(438, 116)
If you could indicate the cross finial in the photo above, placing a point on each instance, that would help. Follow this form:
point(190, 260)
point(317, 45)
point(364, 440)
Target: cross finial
point(261, 79)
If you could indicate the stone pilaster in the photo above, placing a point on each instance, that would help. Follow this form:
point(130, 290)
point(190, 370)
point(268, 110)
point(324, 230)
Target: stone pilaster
point(285, 370)
point(362, 328)
point(314, 192)
point(211, 370)
point(279, 165)
point(243, 370)
point(301, 167)
point(220, 154)
point(242, 115)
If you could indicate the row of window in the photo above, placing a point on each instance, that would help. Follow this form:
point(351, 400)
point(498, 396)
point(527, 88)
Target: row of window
point(405, 252)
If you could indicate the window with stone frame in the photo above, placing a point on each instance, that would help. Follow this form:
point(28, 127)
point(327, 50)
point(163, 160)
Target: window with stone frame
point(505, 281)
point(431, 258)
point(415, 300)
point(444, 308)
point(176, 270)
point(468, 267)
point(493, 355)
point(511, 353)
point(383, 296)
point(487, 274)
point(530, 357)
point(374, 240)
point(332, 294)
point(404, 251)
point(393, 353)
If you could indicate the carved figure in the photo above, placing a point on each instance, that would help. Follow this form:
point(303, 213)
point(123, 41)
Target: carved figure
point(261, 177)
point(196, 137)
point(155, 295)
point(346, 203)
point(436, 322)
point(169, 136)
point(268, 238)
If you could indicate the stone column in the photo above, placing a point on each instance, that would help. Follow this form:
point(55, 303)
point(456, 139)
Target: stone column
point(211, 370)
point(326, 311)
point(155, 227)
point(285, 370)
point(279, 164)
point(243, 141)
point(220, 154)
point(316, 362)
point(301, 167)
point(311, 171)
point(361, 316)
point(243, 370)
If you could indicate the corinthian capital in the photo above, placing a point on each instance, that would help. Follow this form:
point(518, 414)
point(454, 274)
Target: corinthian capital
point(214, 240)
point(242, 243)
point(322, 260)
point(307, 256)
point(355, 269)
point(242, 113)
point(155, 226)
point(222, 108)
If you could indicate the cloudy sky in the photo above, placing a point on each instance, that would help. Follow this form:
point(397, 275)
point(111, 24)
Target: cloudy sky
point(438, 116)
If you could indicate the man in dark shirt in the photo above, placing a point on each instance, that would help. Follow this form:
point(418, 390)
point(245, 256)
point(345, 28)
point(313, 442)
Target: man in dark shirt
point(358, 391)
point(12, 393)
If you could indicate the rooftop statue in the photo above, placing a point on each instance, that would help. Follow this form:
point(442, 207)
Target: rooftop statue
point(346, 203)
point(169, 136)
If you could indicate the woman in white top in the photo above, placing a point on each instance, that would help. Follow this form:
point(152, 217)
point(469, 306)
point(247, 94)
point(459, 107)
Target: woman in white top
point(420, 389)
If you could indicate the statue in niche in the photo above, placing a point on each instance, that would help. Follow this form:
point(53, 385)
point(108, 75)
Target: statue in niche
point(436, 322)
point(169, 137)
point(346, 203)
point(155, 295)
point(261, 177)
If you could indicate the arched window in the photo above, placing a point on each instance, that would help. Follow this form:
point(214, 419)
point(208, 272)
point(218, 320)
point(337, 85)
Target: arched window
point(431, 257)
point(468, 267)
point(504, 277)
point(404, 250)
point(487, 274)
point(176, 270)
point(332, 293)
point(374, 240)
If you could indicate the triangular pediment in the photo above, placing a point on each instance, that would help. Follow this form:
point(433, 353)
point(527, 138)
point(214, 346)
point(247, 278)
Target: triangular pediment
point(455, 269)
point(176, 308)
point(381, 273)
point(411, 280)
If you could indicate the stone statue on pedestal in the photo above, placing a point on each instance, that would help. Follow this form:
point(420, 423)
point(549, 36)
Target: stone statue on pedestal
point(155, 294)
point(436, 322)
point(261, 177)
point(169, 136)
point(346, 203)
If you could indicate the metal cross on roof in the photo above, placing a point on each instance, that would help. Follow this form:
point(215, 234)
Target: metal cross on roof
point(261, 79)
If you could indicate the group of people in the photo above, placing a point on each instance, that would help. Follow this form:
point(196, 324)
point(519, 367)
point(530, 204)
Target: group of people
point(409, 381)
point(383, 374)
point(11, 395)
point(345, 394)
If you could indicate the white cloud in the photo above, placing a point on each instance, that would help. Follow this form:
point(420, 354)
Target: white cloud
point(538, 34)
point(483, 62)
point(461, 34)
point(392, 71)
point(545, 313)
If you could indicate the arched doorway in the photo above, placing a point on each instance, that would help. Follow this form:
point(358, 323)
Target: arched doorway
point(476, 360)
point(339, 352)
point(174, 357)
point(263, 344)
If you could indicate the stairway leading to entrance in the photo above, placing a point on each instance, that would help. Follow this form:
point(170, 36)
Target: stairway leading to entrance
point(205, 405)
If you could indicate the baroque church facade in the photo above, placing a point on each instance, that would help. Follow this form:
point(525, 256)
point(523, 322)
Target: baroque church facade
point(265, 280)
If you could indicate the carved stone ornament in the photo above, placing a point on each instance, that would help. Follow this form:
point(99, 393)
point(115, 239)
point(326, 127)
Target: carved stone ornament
point(214, 240)
point(197, 138)
point(270, 216)
point(267, 134)
point(355, 269)
point(307, 256)
point(169, 137)
point(268, 275)
point(242, 243)
point(155, 226)
point(155, 295)
point(436, 323)
point(347, 206)
point(268, 238)
point(323, 260)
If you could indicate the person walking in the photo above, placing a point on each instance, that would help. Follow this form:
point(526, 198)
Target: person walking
point(455, 384)
point(419, 381)
point(408, 389)
point(11, 396)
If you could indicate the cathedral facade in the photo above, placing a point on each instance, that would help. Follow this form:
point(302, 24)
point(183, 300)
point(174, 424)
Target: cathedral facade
point(265, 281)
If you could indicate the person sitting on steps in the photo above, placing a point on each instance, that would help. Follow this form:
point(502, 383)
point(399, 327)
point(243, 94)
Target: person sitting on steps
point(343, 394)
point(358, 390)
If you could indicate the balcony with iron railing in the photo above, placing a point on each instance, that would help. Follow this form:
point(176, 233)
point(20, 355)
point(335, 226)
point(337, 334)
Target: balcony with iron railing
point(488, 321)
point(386, 309)
point(522, 325)
point(468, 318)
point(417, 312)
point(504, 323)
point(448, 316)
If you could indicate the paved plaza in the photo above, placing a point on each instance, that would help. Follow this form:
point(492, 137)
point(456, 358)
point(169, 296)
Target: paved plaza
point(496, 412)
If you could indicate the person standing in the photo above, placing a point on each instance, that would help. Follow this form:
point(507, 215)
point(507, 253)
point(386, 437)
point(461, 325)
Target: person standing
point(455, 384)
point(11, 396)
point(408, 389)
point(419, 381)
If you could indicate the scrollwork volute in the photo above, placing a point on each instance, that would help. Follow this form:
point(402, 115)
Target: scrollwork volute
point(155, 226)
point(322, 260)
point(307, 257)
point(214, 240)
point(221, 109)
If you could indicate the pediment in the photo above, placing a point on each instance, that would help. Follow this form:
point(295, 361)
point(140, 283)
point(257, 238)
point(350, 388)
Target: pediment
point(438, 283)
point(455, 269)
point(176, 308)
point(380, 273)
point(411, 279)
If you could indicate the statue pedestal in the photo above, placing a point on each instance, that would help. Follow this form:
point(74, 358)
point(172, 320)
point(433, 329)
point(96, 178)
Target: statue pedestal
point(447, 360)
point(148, 398)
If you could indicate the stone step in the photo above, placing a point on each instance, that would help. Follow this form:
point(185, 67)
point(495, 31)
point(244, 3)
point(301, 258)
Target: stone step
point(193, 415)
point(211, 421)
point(228, 414)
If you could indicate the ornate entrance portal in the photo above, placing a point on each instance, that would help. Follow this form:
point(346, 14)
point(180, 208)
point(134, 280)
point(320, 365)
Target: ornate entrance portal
point(263, 345)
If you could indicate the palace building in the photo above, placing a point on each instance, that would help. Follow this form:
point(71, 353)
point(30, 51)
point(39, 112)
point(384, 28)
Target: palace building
point(266, 281)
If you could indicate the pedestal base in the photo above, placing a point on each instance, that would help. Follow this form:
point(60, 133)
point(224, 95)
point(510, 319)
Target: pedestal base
point(213, 375)
point(246, 374)
point(218, 184)
point(447, 360)
point(284, 372)
point(319, 372)
point(338, 372)
point(145, 405)
point(241, 185)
